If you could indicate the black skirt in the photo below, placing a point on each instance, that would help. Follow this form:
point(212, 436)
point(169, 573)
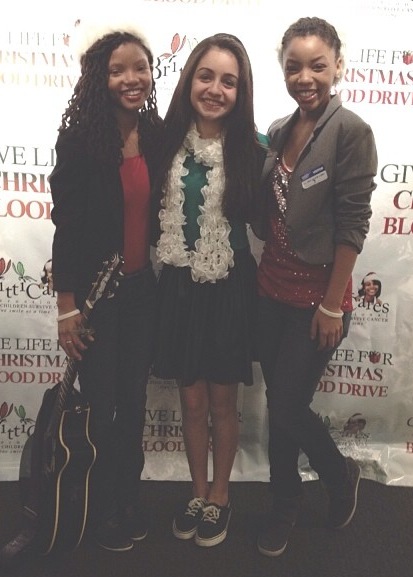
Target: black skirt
point(205, 329)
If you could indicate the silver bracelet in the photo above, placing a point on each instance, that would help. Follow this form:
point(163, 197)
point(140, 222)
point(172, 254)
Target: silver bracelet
point(68, 315)
point(330, 313)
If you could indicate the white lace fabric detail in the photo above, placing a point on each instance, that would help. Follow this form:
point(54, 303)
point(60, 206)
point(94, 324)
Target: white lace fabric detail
point(213, 256)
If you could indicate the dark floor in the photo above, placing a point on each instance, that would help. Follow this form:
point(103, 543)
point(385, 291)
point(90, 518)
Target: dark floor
point(378, 542)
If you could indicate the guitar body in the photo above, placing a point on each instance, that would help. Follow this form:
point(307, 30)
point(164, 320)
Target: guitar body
point(56, 493)
point(57, 459)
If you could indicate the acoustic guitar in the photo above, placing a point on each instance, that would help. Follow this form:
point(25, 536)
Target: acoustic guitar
point(60, 454)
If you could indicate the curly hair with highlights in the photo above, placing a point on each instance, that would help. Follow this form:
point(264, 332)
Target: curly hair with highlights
point(90, 109)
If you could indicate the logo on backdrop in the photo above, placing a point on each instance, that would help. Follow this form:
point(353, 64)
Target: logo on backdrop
point(176, 46)
point(27, 360)
point(168, 63)
point(369, 293)
point(21, 292)
point(168, 67)
point(369, 303)
point(351, 433)
point(15, 427)
point(352, 438)
point(408, 57)
point(20, 411)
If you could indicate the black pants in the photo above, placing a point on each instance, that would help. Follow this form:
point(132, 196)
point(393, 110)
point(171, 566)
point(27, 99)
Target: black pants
point(292, 368)
point(113, 376)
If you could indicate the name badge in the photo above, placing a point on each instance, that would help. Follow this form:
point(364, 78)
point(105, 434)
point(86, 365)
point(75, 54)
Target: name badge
point(313, 177)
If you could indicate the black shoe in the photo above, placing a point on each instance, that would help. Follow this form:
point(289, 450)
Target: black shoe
point(111, 537)
point(20, 549)
point(135, 523)
point(273, 539)
point(186, 522)
point(212, 528)
point(343, 500)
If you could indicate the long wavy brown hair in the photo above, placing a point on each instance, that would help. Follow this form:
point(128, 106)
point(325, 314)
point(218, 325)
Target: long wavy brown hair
point(240, 146)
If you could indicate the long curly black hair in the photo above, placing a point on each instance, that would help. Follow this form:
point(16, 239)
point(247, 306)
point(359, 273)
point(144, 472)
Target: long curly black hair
point(90, 109)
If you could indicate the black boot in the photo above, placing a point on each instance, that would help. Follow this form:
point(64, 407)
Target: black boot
point(23, 547)
point(343, 498)
point(273, 538)
point(135, 522)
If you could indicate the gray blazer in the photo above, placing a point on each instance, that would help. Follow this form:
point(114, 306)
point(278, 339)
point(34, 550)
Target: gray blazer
point(330, 190)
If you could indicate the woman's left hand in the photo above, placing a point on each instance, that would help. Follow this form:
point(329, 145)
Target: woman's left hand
point(328, 330)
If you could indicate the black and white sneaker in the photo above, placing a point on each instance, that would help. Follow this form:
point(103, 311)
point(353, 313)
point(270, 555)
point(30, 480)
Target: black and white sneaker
point(186, 522)
point(213, 527)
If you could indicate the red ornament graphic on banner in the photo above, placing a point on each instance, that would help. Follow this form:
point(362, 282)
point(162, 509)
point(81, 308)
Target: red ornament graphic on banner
point(374, 356)
point(408, 57)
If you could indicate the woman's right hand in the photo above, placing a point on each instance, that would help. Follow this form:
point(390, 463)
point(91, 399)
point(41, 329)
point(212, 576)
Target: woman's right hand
point(73, 337)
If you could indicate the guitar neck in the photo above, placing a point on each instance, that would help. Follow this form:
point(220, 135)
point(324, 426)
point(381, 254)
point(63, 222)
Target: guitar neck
point(99, 288)
point(67, 382)
point(65, 387)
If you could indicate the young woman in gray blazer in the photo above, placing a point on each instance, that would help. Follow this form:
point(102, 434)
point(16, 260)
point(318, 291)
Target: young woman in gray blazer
point(315, 211)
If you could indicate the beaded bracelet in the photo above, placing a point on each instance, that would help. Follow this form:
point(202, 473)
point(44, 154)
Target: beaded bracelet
point(330, 313)
point(68, 315)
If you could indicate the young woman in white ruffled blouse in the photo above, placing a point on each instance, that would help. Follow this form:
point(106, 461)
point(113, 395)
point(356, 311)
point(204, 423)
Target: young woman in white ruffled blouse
point(212, 162)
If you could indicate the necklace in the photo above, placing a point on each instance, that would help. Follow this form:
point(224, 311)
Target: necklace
point(213, 256)
point(285, 165)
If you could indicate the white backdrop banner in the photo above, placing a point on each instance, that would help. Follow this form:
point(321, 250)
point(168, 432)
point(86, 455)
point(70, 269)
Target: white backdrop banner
point(365, 397)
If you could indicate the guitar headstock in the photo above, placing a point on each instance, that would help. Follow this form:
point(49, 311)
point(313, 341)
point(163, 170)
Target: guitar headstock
point(105, 280)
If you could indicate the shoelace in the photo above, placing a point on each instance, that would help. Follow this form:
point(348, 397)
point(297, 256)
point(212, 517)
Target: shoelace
point(211, 514)
point(194, 506)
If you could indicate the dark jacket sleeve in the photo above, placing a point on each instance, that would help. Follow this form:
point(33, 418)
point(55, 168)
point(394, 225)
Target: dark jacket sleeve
point(87, 213)
point(355, 171)
point(151, 141)
point(67, 183)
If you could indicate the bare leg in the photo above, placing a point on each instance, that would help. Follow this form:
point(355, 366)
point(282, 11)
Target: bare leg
point(195, 411)
point(225, 432)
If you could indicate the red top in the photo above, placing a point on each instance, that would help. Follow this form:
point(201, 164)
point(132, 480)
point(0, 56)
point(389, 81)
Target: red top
point(282, 276)
point(136, 191)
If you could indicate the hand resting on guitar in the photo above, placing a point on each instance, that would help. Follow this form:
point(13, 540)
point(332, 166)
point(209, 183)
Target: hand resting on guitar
point(73, 337)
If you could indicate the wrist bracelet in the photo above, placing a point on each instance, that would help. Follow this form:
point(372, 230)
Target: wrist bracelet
point(68, 315)
point(330, 313)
